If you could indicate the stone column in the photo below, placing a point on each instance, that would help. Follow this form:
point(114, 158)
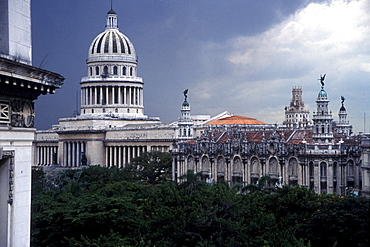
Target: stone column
point(101, 95)
point(106, 95)
point(78, 154)
point(113, 95)
point(119, 164)
point(119, 95)
point(128, 154)
point(95, 95)
point(110, 156)
point(125, 95)
point(129, 95)
point(73, 163)
point(106, 156)
point(141, 97)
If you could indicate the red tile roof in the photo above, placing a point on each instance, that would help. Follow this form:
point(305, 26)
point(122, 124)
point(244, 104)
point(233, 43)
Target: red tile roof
point(235, 120)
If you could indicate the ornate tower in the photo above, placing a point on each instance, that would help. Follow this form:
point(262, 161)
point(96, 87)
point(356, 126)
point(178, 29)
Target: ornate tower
point(343, 127)
point(322, 118)
point(112, 87)
point(185, 124)
point(296, 116)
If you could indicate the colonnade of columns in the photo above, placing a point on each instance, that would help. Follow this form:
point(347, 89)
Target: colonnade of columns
point(120, 156)
point(46, 155)
point(111, 95)
point(73, 153)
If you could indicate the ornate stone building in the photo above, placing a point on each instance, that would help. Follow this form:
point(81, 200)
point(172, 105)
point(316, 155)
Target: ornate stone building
point(315, 156)
point(296, 116)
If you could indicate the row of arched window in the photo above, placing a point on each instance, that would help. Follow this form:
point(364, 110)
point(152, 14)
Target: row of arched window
point(255, 166)
point(112, 70)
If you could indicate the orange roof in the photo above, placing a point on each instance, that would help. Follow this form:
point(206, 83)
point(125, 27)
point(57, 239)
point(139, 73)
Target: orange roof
point(238, 120)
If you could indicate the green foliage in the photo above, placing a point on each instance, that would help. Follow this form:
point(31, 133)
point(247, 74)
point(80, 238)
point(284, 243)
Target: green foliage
point(121, 207)
point(151, 167)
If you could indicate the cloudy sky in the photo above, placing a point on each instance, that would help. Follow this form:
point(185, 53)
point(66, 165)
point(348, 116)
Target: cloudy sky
point(241, 56)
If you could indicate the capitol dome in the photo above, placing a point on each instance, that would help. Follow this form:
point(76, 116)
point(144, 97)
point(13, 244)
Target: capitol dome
point(112, 88)
point(111, 45)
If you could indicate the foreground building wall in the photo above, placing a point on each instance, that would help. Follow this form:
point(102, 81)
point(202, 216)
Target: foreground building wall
point(20, 85)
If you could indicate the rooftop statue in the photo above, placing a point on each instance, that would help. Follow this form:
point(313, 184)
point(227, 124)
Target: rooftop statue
point(322, 78)
point(186, 94)
point(343, 99)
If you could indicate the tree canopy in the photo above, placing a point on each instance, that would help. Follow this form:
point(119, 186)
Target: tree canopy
point(100, 206)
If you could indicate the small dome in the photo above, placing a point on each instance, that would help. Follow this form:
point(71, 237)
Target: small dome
point(185, 103)
point(342, 108)
point(322, 94)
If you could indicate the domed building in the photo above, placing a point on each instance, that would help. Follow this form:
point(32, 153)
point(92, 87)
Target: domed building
point(111, 128)
point(112, 87)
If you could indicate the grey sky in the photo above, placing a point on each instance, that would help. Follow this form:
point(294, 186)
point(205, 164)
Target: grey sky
point(239, 56)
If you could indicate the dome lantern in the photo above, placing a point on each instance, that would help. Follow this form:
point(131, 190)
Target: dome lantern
point(111, 19)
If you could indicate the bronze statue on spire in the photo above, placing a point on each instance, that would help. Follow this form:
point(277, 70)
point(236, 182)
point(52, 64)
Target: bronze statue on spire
point(186, 94)
point(343, 99)
point(322, 78)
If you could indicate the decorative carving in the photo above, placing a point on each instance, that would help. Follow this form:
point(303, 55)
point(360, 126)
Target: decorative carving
point(22, 114)
point(4, 112)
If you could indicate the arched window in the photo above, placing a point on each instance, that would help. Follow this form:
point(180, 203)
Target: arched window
point(91, 71)
point(293, 167)
point(311, 169)
point(323, 169)
point(131, 70)
point(237, 167)
point(124, 71)
point(220, 165)
point(205, 165)
point(96, 70)
point(115, 71)
point(335, 168)
point(105, 70)
point(190, 163)
point(255, 166)
point(273, 166)
point(350, 168)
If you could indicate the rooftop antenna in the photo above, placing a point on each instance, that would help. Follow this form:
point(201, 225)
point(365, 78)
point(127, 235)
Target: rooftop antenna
point(42, 64)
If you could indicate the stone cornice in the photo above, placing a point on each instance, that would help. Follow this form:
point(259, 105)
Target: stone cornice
point(22, 73)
